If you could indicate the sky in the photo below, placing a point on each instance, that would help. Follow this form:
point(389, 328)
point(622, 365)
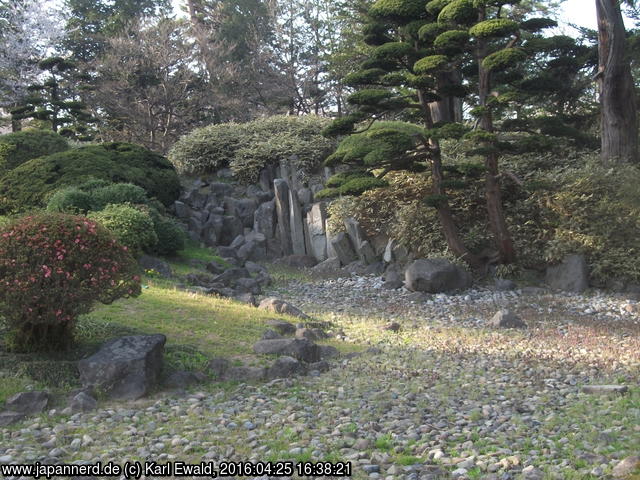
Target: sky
point(579, 12)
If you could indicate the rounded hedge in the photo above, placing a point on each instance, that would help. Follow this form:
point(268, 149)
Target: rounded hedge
point(118, 193)
point(171, 237)
point(459, 12)
point(503, 59)
point(430, 64)
point(451, 42)
point(495, 27)
point(248, 147)
point(398, 10)
point(31, 184)
point(19, 147)
point(70, 200)
point(53, 268)
point(131, 226)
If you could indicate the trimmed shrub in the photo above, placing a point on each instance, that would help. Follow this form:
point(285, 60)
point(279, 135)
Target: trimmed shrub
point(398, 9)
point(132, 227)
point(19, 147)
point(71, 200)
point(503, 59)
point(118, 193)
point(248, 147)
point(171, 237)
point(53, 268)
point(458, 12)
point(430, 64)
point(31, 184)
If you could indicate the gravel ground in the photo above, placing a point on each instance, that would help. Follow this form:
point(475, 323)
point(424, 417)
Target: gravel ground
point(444, 397)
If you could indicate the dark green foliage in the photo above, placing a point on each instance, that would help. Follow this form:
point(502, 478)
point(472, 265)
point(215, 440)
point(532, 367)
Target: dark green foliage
point(435, 6)
point(436, 200)
point(19, 147)
point(357, 186)
point(449, 130)
point(340, 179)
point(495, 27)
point(132, 227)
point(452, 42)
point(171, 237)
point(31, 184)
point(327, 193)
point(537, 24)
point(393, 51)
point(503, 59)
point(375, 34)
point(398, 10)
point(118, 193)
point(458, 12)
point(429, 32)
point(70, 200)
point(369, 96)
point(363, 77)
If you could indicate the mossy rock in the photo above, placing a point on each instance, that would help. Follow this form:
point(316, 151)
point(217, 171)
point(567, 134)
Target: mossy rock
point(452, 42)
point(458, 12)
point(503, 59)
point(32, 183)
point(19, 147)
point(430, 64)
point(494, 28)
point(398, 10)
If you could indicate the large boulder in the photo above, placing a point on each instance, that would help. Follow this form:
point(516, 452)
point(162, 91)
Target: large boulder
point(125, 368)
point(276, 305)
point(285, 367)
point(302, 349)
point(572, 275)
point(21, 405)
point(298, 261)
point(343, 248)
point(435, 275)
point(152, 263)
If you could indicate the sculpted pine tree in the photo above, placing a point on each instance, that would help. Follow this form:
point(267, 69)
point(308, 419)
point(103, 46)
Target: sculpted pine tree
point(426, 59)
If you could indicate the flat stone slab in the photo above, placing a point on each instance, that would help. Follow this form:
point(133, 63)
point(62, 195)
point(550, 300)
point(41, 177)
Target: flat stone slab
point(605, 389)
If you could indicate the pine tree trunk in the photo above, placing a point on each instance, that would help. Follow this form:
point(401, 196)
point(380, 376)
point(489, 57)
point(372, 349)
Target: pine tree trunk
point(618, 114)
point(493, 194)
point(445, 217)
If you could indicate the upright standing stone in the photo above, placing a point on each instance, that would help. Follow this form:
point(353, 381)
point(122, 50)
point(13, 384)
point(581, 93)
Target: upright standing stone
point(572, 275)
point(282, 209)
point(295, 222)
point(331, 252)
point(264, 219)
point(266, 179)
point(344, 250)
point(316, 220)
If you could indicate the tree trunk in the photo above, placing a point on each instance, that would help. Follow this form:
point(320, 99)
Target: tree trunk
point(449, 109)
point(618, 115)
point(493, 194)
point(447, 223)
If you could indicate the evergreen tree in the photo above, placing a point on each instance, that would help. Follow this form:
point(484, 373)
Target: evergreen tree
point(426, 58)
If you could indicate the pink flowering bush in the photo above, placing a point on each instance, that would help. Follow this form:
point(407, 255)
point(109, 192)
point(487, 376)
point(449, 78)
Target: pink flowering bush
point(53, 268)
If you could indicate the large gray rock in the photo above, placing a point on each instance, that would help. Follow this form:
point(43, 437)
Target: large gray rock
point(125, 368)
point(264, 219)
point(296, 224)
point(27, 403)
point(316, 219)
point(344, 250)
point(152, 263)
point(231, 228)
point(285, 367)
point(276, 305)
point(83, 402)
point(281, 189)
point(301, 349)
point(285, 328)
point(330, 265)
point(436, 275)
point(506, 319)
point(359, 241)
point(298, 261)
point(181, 209)
point(572, 275)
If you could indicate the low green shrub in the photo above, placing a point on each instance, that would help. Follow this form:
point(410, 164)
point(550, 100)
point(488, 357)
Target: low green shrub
point(53, 268)
point(19, 147)
point(248, 147)
point(118, 193)
point(171, 237)
point(32, 183)
point(71, 200)
point(132, 227)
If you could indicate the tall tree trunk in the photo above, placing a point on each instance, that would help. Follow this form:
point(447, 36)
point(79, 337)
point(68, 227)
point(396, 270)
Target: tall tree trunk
point(493, 194)
point(618, 114)
point(447, 222)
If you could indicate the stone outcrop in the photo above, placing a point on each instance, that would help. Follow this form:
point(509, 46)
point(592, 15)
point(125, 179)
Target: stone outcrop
point(572, 275)
point(435, 276)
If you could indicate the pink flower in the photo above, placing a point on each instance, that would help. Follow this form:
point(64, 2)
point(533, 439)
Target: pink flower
point(47, 271)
